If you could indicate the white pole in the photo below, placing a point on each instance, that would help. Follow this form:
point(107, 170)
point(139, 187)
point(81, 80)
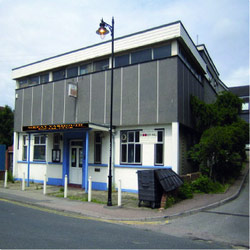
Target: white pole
point(90, 189)
point(65, 186)
point(120, 193)
point(23, 182)
point(44, 184)
point(5, 178)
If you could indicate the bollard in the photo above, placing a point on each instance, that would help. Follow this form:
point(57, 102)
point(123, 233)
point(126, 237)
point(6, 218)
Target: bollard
point(5, 178)
point(90, 189)
point(120, 193)
point(65, 186)
point(23, 182)
point(44, 184)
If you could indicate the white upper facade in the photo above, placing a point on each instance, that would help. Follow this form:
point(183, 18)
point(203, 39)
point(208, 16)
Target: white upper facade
point(156, 35)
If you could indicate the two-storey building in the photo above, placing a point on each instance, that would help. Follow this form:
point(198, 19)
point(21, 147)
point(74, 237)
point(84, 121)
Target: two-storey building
point(62, 108)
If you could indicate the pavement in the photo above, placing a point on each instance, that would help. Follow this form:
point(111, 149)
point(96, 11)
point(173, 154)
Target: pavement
point(33, 196)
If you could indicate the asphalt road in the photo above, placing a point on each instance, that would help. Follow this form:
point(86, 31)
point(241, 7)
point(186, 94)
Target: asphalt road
point(29, 228)
point(228, 223)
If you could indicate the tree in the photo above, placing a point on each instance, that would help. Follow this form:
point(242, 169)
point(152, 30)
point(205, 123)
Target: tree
point(6, 126)
point(223, 135)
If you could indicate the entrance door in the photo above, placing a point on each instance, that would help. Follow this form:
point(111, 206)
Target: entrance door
point(76, 160)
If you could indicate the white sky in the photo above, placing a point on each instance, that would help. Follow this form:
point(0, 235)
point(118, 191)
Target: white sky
point(32, 30)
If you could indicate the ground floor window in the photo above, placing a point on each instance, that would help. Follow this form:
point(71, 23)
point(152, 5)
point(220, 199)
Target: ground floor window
point(159, 146)
point(25, 148)
point(130, 147)
point(98, 147)
point(39, 147)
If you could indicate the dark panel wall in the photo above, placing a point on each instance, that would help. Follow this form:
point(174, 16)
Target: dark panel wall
point(130, 95)
point(188, 85)
point(47, 99)
point(27, 101)
point(18, 110)
point(168, 90)
point(148, 93)
point(58, 100)
point(156, 92)
point(36, 105)
point(83, 99)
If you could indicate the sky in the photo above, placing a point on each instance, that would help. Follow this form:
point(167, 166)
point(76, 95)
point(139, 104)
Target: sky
point(32, 30)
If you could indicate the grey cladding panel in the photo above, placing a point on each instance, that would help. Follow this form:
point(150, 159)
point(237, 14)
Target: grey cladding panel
point(148, 93)
point(58, 102)
point(18, 111)
point(98, 98)
point(83, 99)
point(36, 112)
point(70, 104)
point(27, 107)
point(116, 97)
point(168, 90)
point(47, 103)
point(130, 96)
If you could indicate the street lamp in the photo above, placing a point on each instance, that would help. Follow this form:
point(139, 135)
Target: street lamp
point(102, 31)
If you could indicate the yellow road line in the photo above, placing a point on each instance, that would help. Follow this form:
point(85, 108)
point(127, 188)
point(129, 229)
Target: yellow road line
point(82, 217)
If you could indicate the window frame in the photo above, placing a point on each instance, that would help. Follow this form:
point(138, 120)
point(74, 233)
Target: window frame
point(159, 142)
point(98, 144)
point(25, 148)
point(130, 140)
point(39, 145)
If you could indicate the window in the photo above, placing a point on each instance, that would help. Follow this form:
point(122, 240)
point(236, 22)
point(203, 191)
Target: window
point(130, 147)
point(141, 56)
point(23, 82)
point(121, 60)
point(162, 52)
point(25, 148)
point(159, 148)
point(245, 106)
point(101, 65)
point(34, 80)
point(98, 148)
point(72, 72)
point(44, 78)
point(58, 75)
point(85, 69)
point(39, 147)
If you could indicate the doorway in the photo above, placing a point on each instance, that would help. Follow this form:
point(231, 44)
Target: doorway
point(76, 159)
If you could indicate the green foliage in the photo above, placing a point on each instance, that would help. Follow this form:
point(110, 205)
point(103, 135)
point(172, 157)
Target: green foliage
point(6, 126)
point(170, 201)
point(10, 177)
point(185, 191)
point(221, 149)
point(205, 185)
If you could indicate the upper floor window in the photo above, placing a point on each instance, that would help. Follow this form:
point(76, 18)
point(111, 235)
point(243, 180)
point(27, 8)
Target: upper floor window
point(122, 60)
point(162, 52)
point(141, 56)
point(130, 147)
point(101, 65)
point(44, 78)
point(39, 148)
point(34, 80)
point(85, 69)
point(58, 75)
point(72, 72)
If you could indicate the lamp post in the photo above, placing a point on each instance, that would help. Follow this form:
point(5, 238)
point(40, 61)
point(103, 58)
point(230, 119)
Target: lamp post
point(102, 31)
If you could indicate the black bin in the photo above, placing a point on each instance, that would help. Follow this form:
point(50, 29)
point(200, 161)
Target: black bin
point(150, 189)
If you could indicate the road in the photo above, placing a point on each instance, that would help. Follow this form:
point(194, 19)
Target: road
point(228, 223)
point(24, 227)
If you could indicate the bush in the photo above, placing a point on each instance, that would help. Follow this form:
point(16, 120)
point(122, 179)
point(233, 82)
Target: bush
point(170, 201)
point(185, 191)
point(205, 185)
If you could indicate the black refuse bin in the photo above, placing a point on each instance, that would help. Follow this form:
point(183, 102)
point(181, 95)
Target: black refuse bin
point(150, 189)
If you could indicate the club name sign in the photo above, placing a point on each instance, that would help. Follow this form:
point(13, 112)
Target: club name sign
point(55, 127)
